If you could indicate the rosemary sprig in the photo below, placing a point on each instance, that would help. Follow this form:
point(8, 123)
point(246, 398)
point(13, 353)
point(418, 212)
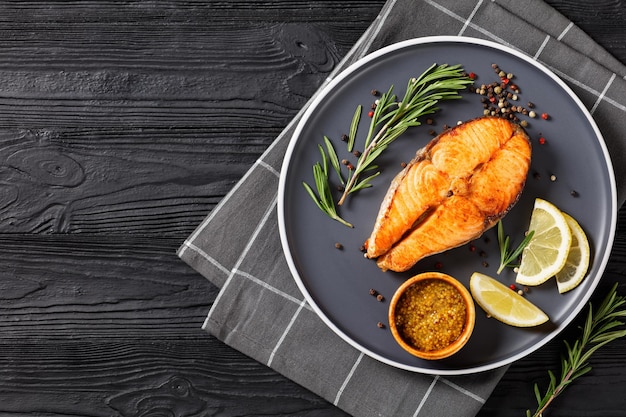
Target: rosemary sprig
point(599, 329)
point(506, 256)
point(324, 198)
point(391, 119)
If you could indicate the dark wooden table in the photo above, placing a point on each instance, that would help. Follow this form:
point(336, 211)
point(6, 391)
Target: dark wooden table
point(122, 124)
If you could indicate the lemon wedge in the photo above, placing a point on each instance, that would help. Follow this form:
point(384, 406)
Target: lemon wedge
point(577, 262)
point(504, 304)
point(548, 249)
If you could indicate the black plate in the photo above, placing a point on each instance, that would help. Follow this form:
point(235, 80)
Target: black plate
point(337, 282)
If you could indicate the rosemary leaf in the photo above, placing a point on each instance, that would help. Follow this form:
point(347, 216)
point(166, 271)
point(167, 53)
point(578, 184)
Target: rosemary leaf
point(334, 159)
point(322, 186)
point(365, 183)
point(354, 127)
point(324, 161)
point(308, 188)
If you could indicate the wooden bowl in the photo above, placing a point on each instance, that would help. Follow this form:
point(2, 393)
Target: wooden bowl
point(432, 315)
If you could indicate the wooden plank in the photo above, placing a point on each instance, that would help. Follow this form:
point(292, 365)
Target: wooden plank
point(122, 125)
point(189, 376)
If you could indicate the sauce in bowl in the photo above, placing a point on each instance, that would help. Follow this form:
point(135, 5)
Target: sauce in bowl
point(431, 315)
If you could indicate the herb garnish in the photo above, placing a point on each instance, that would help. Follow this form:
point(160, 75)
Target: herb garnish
point(390, 119)
point(599, 329)
point(506, 256)
point(325, 201)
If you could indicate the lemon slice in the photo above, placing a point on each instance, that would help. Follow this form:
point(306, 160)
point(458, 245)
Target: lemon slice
point(547, 251)
point(504, 304)
point(577, 261)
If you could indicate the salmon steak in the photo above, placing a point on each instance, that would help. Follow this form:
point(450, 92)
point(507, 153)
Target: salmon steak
point(455, 188)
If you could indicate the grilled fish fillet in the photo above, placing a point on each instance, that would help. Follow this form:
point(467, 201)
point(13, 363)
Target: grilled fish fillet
point(454, 189)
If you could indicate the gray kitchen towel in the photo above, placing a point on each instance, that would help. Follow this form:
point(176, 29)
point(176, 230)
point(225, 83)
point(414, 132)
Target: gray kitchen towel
point(260, 311)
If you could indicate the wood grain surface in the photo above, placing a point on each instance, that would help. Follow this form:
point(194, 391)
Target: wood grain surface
point(122, 124)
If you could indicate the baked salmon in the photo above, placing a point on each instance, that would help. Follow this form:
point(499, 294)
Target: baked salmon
point(454, 189)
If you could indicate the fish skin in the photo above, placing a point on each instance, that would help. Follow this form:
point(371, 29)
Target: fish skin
point(454, 189)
